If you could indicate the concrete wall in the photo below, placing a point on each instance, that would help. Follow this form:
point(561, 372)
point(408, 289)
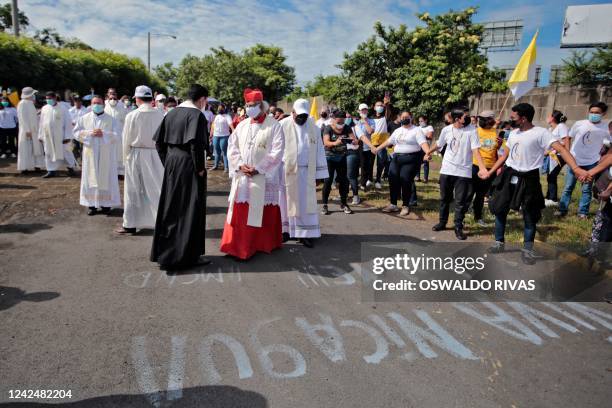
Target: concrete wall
point(572, 101)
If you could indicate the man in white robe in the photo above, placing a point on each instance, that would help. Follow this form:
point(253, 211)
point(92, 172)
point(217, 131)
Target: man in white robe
point(98, 133)
point(30, 153)
point(144, 171)
point(55, 132)
point(118, 112)
point(255, 152)
point(303, 163)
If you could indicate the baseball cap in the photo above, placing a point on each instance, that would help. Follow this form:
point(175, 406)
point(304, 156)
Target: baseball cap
point(160, 97)
point(487, 114)
point(301, 106)
point(143, 91)
point(362, 106)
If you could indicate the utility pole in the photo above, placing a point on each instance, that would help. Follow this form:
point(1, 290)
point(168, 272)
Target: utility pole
point(15, 18)
point(149, 51)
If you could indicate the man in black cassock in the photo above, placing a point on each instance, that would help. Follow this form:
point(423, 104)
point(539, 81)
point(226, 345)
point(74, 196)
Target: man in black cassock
point(182, 142)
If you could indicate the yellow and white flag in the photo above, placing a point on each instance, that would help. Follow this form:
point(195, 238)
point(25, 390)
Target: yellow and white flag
point(523, 76)
point(314, 109)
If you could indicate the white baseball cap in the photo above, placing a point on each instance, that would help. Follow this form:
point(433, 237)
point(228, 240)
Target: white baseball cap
point(27, 92)
point(301, 106)
point(362, 106)
point(160, 97)
point(143, 91)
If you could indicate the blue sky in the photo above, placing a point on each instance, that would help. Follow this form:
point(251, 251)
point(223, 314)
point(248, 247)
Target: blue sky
point(314, 34)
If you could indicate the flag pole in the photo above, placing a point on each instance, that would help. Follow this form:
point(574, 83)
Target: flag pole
point(504, 105)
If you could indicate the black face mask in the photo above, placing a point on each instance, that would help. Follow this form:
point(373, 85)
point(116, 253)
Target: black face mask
point(324, 115)
point(221, 112)
point(301, 119)
point(406, 122)
point(466, 121)
point(514, 124)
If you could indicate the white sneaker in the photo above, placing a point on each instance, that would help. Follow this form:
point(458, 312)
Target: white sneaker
point(13, 155)
point(550, 203)
point(368, 183)
point(405, 211)
point(391, 208)
point(356, 200)
point(377, 185)
point(3, 156)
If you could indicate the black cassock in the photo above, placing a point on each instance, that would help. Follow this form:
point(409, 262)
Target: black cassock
point(182, 142)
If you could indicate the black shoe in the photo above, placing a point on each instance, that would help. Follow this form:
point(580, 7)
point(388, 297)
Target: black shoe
point(307, 242)
point(71, 172)
point(438, 227)
point(346, 209)
point(286, 237)
point(460, 234)
point(123, 230)
point(202, 261)
point(49, 174)
point(92, 211)
point(105, 210)
point(324, 210)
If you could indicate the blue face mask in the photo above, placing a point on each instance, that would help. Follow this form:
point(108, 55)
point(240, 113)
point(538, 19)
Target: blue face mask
point(50, 101)
point(5, 104)
point(348, 121)
point(594, 117)
point(97, 109)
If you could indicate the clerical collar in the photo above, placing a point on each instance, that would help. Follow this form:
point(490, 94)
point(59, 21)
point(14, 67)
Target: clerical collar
point(260, 119)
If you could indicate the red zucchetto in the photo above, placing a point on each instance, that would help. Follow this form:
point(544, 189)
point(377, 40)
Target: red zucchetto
point(253, 95)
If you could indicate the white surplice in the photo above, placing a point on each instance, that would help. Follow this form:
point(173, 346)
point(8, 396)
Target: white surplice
point(30, 153)
point(54, 127)
point(260, 145)
point(144, 170)
point(99, 180)
point(305, 223)
point(118, 112)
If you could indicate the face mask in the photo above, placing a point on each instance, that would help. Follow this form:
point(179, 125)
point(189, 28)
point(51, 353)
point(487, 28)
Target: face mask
point(97, 109)
point(5, 104)
point(406, 121)
point(50, 101)
point(422, 124)
point(301, 119)
point(253, 111)
point(379, 109)
point(466, 121)
point(339, 126)
point(593, 117)
point(363, 115)
point(170, 108)
point(126, 103)
point(112, 102)
point(348, 121)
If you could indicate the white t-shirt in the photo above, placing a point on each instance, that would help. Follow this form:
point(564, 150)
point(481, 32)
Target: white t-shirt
point(222, 125)
point(427, 129)
point(380, 125)
point(527, 149)
point(407, 140)
point(587, 140)
point(560, 132)
point(458, 158)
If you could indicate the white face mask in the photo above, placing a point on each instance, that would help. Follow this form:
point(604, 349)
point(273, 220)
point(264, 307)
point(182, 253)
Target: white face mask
point(379, 109)
point(112, 102)
point(253, 111)
point(363, 115)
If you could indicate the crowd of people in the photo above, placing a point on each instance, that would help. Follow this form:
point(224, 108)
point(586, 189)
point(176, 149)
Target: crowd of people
point(275, 159)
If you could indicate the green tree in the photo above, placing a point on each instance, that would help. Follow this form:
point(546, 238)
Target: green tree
point(227, 73)
point(6, 18)
point(426, 69)
point(76, 44)
point(588, 69)
point(50, 37)
point(167, 72)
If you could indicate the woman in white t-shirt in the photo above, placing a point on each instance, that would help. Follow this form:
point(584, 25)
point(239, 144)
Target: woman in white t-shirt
point(559, 129)
point(409, 146)
point(222, 127)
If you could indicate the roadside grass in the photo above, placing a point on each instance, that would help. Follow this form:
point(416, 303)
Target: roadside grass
point(568, 232)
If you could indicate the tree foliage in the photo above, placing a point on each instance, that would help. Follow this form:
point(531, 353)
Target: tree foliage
point(426, 69)
point(167, 72)
point(6, 18)
point(588, 69)
point(49, 37)
point(226, 73)
point(25, 62)
point(322, 85)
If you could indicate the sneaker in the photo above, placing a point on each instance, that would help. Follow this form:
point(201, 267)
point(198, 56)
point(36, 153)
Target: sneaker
point(346, 209)
point(560, 214)
point(405, 211)
point(356, 200)
point(391, 208)
point(214, 168)
point(528, 256)
point(324, 210)
point(481, 222)
point(13, 155)
point(377, 185)
point(550, 203)
point(49, 174)
point(497, 248)
point(334, 186)
point(3, 156)
point(438, 227)
point(461, 236)
point(368, 183)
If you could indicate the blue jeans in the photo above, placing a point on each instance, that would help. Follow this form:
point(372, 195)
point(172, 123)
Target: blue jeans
point(529, 228)
point(425, 171)
point(352, 169)
point(220, 147)
point(381, 162)
point(566, 196)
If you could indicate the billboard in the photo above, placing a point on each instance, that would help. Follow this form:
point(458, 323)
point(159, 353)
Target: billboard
point(587, 26)
point(502, 35)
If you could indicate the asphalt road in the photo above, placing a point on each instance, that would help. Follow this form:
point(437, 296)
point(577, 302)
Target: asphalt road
point(82, 309)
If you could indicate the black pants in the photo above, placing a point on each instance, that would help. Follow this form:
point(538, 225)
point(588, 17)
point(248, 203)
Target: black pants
point(336, 167)
point(367, 167)
point(403, 169)
point(459, 189)
point(480, 189)
point(551, 179)
point(8, 140)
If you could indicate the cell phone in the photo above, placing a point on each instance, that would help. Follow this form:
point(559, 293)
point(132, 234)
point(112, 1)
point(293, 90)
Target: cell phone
point(346, 140)
point(387, 94)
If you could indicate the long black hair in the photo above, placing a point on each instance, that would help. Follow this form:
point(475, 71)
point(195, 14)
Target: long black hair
point(558, 116)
